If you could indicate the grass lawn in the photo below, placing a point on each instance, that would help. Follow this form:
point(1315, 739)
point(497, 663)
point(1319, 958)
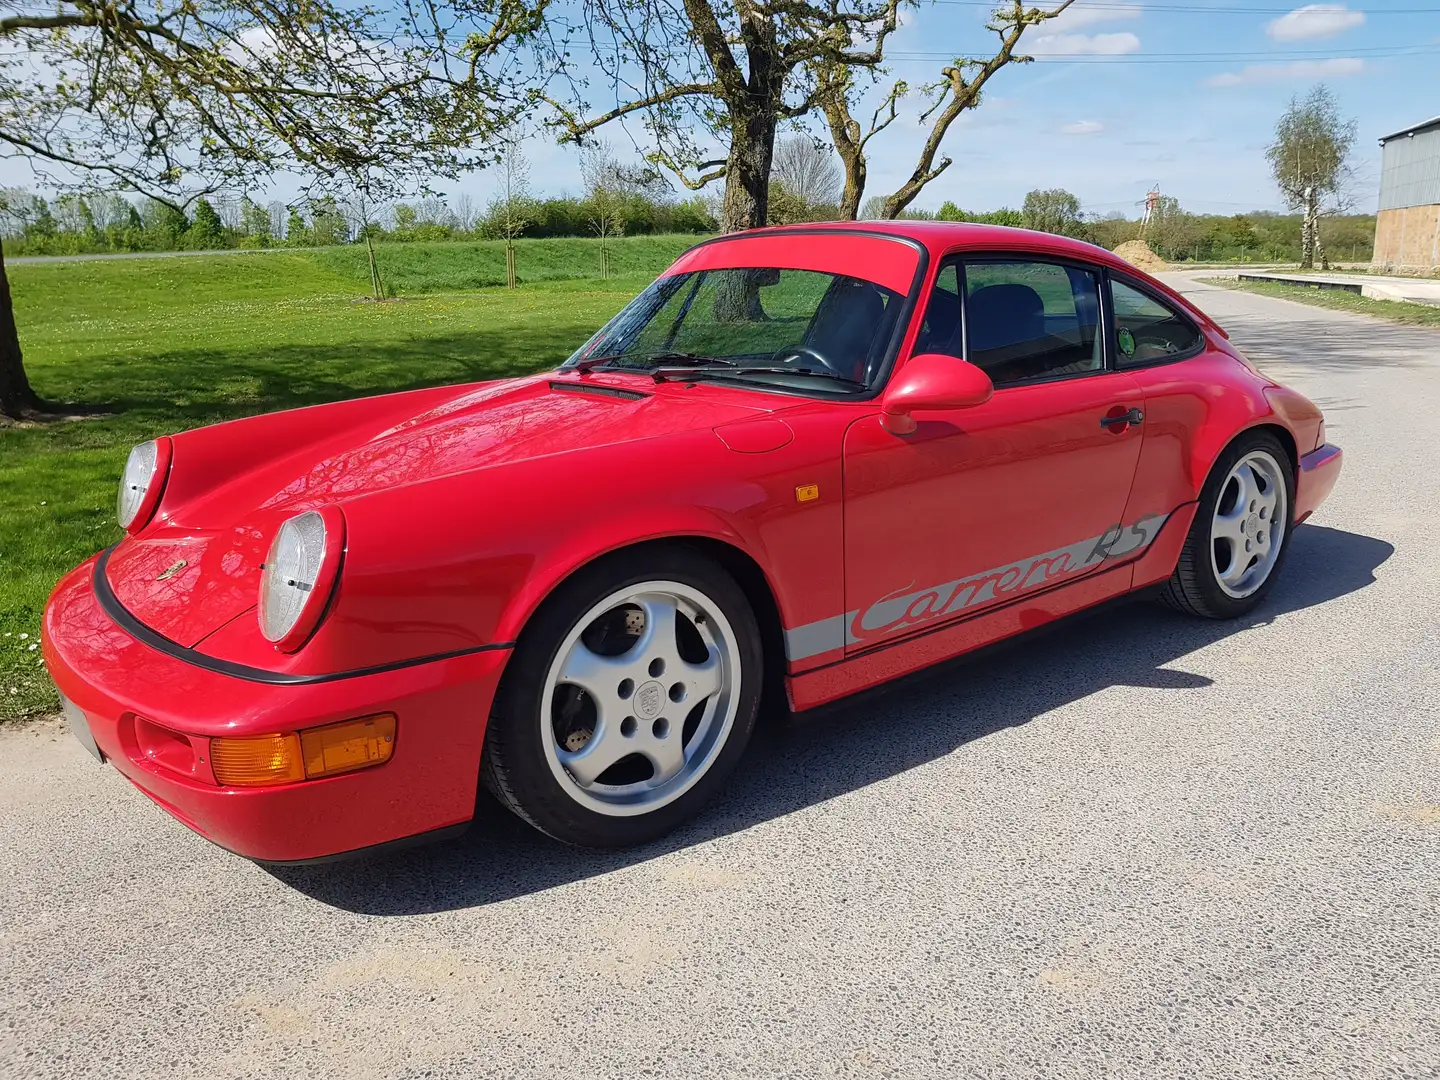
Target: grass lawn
point(1391, 310)
point(162, 345)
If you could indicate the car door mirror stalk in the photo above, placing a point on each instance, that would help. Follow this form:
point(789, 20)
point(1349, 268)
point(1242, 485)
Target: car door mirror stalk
point(932, 381)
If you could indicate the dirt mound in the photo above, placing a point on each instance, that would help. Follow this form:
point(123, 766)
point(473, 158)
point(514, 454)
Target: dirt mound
point(1138, 254)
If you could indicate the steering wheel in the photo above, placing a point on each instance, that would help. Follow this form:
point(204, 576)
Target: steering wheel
point(801, 352)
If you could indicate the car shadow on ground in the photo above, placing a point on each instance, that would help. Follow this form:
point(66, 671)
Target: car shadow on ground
point(813, 757)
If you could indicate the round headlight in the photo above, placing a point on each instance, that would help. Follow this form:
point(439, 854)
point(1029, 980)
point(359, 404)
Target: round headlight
point(298, 577)
point(141, 482)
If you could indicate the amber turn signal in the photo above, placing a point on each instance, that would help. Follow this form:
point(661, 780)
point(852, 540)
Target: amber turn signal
point(254, 762)
point(288, 756)
point(348, 745)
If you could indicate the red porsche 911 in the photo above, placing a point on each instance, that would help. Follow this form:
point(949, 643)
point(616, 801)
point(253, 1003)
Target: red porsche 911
point(818, 457)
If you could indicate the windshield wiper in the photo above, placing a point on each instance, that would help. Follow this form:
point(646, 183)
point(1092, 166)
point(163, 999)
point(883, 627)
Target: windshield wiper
point(663, 373)
point(661, 357)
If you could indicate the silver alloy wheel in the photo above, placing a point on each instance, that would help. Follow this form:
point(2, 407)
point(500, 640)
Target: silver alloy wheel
point(628, 688)
point(1249, 525)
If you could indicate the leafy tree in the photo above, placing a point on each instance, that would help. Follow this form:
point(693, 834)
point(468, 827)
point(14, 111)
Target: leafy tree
point(42, 224)
point(1053, 210)
point(178, 98)
point(255, 223)
point(297, 233)
point(949, 211)
point(165, 225)
point(957, 90)
point(1310, 162)
point(206, 231)
point(327, 223)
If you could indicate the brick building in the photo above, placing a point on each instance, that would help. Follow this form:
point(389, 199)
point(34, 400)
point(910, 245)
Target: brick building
point(1407, 230)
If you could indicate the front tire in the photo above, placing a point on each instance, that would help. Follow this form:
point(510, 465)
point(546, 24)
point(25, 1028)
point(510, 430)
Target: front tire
point(1240, 534)
point(629, 700)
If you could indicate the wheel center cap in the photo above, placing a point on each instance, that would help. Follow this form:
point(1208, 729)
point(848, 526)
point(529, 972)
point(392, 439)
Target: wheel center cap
point(649, 700)
point(1252, 525)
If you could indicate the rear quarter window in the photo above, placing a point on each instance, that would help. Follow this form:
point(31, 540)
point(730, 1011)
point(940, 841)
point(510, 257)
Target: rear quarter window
point(1148, 331)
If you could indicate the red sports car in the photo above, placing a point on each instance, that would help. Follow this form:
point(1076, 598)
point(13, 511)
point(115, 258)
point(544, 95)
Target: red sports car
point(814, 458)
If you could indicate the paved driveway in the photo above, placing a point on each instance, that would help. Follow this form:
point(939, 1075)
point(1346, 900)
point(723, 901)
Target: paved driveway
point(1141, 846)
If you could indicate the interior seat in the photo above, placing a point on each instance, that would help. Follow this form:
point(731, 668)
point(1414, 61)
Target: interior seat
point(845, 326)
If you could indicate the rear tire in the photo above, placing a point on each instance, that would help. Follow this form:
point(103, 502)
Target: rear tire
point(629, 700)
point(1241, 532)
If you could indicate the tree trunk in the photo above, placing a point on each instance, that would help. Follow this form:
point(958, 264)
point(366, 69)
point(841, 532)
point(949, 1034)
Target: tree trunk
point(747, 171)
point(854, 189)
point(375, 287)
point(852, 155)
point(16, 396)
point(1308, 231)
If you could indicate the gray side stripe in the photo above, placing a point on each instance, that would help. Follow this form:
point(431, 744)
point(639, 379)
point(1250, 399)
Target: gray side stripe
point(898, 612)
point(816, 637)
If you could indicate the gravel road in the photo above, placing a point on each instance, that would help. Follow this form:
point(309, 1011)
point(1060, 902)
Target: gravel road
point(1141, 846)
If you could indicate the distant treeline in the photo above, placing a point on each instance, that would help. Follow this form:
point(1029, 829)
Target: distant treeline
point(1177, 235)
point(73, 224)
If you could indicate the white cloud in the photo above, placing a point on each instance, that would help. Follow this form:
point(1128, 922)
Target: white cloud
point(1085, 44)
point(1082, 127)
point(1335, 67)
point(1314, 21)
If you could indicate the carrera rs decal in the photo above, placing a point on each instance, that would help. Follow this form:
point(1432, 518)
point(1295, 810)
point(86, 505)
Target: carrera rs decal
point(911, 607)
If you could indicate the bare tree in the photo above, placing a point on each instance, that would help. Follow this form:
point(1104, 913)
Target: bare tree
point(807, 170)
point(697, 69)
point(464, 212)
point(111, 211)
point(605, 191)
point(958, 89)
point(179, 98)
point(363, 210)
point(509, 212)
point(1310, 162)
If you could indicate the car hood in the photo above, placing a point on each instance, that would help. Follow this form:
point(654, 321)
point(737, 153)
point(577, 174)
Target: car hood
point(188, 576)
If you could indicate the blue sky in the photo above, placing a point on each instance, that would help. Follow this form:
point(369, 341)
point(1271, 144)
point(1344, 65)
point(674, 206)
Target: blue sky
point(1122, 96)
point(1183, 94)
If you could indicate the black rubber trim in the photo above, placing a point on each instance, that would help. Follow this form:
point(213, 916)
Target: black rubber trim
point(158, 641)
point(433, 836)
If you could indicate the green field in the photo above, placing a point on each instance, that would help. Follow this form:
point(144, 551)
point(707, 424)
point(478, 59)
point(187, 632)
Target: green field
point(161, 345)
point(1339, 300)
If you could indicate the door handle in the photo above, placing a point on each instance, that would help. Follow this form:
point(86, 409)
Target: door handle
point(1134, 416)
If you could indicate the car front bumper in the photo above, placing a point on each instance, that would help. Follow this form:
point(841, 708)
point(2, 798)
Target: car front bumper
point(125, 689)
point(1319, 470)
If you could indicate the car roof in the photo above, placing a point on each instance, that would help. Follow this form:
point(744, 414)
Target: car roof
point(939, 237)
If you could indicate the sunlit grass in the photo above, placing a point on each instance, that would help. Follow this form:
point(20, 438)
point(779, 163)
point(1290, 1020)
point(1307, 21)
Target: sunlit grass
point(1338, 300)
point(155, 346)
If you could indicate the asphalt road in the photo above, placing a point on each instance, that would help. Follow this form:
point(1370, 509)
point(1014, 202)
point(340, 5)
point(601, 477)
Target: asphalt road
point(1141, 846)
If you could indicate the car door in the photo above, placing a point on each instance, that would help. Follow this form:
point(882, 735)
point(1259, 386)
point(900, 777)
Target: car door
point(980, 505)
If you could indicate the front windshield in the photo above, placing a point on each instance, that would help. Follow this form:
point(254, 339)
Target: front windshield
point(809, 331)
